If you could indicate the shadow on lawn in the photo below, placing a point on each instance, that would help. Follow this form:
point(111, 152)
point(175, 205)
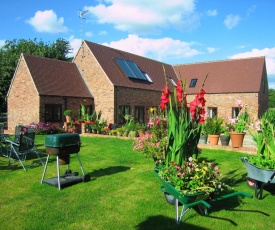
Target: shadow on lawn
point(161, 222)
point(107, 171)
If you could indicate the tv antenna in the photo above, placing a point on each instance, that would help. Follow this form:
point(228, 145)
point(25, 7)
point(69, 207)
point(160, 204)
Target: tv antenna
point(81, 14)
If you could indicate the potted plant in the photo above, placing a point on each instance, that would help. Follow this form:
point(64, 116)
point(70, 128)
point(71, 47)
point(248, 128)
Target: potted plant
point(68, 114)
point(213, 127)
point(225, 134)
point(203, 135)
point(239, 126)
point(261, 168)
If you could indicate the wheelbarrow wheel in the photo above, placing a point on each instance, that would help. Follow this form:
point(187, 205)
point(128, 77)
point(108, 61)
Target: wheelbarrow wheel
point(251, 183)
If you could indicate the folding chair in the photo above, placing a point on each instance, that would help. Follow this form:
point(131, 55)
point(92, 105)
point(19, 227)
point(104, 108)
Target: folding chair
point(17, 132)
point(2, 138)
point(19, 150)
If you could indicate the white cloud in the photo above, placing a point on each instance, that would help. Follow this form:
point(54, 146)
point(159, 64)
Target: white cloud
point(250, 10)
point(212, 13)
point(103, 32)
point(89, 34)
point(47, 21)
point(2, 43)
point(157, 49)
point(75, 44)
point(231, 21)
point(143, 16)
point(211, 49)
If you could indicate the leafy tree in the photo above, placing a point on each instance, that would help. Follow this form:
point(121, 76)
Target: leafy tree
point(10, 53)
point(271, 101)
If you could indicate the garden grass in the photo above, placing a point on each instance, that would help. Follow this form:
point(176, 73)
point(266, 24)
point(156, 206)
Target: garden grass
point(123, 193)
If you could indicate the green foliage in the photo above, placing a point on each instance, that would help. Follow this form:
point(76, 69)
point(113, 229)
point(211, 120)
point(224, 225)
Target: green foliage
point(263, 134)
point(68, 112)
point(11, 51)
point(213, 125)
point(241, 122)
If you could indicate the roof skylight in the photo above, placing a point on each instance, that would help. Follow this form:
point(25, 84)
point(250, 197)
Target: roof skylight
point(173, 82)
point(193, 82)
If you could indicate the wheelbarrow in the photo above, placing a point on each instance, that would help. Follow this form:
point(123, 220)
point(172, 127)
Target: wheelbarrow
point(173, 196)
point(258, 177)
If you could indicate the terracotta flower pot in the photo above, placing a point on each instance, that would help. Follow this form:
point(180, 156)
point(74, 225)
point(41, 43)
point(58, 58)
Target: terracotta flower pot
point(237, 139)
point(214, 139)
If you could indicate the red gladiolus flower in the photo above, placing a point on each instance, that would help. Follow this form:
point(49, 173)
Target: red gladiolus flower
point(179, 91)
point(164, 97)
point(193, 108)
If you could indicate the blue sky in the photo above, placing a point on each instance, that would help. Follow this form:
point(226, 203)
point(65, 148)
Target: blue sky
point(174, 31)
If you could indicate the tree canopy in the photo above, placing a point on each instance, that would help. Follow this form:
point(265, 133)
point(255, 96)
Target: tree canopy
point(11, 51)
point(271, 101)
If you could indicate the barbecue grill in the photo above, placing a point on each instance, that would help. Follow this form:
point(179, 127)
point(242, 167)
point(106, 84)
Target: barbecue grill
point(62, 146)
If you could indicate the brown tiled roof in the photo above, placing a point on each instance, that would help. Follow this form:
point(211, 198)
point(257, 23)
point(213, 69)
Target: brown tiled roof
point(56, 78)
point(230, 76)
point(105, 56)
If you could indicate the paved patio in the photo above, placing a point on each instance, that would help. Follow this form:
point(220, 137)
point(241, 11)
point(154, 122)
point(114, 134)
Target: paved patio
point(249, 146)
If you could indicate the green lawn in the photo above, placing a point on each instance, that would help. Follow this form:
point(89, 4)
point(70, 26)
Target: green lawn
point(123, 194)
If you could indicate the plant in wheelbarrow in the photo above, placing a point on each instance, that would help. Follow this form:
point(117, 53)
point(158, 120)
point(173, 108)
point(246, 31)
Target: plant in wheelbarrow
point(184, 179)
point(261, 167)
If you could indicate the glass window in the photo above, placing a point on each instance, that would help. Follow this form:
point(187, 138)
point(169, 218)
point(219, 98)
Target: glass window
point(235, 112)
point(212, 112)
point(139, 114)
point(193, 83)
point(122, 111)
point(53, 113)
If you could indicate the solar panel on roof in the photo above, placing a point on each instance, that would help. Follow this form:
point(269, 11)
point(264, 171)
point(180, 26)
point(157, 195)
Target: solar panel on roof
point(130, 69)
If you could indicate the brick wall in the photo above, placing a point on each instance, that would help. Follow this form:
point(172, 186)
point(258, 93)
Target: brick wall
point(23, 100)
point(25, 106)
point(99, 84)
point(137, 97)
point(225, 102)
point(70, 103)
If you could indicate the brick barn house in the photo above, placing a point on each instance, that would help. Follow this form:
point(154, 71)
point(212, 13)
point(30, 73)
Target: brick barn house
point(116, 82)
